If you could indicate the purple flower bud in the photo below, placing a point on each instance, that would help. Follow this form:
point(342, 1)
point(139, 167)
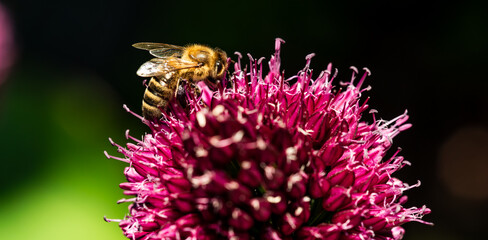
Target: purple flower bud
point(239, 235)
point(215, 182)
point(337, 197)
point(290, 224)
point(322, 231)
point(351, 216)
point(271, 234)
point(341, 176)
point(296, 185)
point(178, 184)
point(261, 209)
point(221, 207)
point(238, 193)
point(249, 174)
point(132, 175)
point(240, 220)
point(301, 209)
point(315, 189)
point(183, 202)
point(375, 223)
point(329, 155)
point(189, 220)
point(167, 214)
point(277, 200)
point(364, 179)
point(156, 200)
point(273, 177)
point(221, 155)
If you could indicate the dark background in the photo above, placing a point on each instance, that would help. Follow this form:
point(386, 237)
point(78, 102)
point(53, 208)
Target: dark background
point(75, 67)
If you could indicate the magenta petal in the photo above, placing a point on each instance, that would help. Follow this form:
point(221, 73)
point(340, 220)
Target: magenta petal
point(337, 197)
point(271, 234)
point(239, 235)
point(328, 231)
point(238, 193)
point(206, 93)
point(149, 226)
point(249, 174)
point(273, 177)
point(221, 156)
point(351, 216)
point(184, 202)
point(376, 223)
point(296, 185)
point(168, 214)
point(315, 187)
point(132, 175)
point(178, 184)
point(189, 220)
point(157, 200)
point(240, 219)
point(301, 209)
point(290, 224)
point(309, 233)
point(278, 202)
point(331, 154)
point(397, 232)
point(342, 177)
point(261, 209)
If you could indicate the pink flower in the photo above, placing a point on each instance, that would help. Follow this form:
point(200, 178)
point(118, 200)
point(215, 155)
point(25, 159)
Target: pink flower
point(267, 159)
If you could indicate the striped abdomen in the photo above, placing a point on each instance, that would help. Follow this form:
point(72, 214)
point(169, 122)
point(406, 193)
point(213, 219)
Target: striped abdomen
point(157, 96)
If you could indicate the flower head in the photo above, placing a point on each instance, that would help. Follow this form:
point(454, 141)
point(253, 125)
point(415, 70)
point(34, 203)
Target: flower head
point(267, 159)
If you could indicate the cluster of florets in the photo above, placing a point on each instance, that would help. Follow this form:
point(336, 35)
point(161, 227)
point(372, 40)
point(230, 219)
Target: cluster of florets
point(266, 159)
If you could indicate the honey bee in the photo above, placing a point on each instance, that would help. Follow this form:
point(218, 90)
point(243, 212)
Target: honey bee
point(174, 64)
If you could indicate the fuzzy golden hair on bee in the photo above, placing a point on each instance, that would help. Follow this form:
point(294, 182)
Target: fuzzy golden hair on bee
point(174, 64)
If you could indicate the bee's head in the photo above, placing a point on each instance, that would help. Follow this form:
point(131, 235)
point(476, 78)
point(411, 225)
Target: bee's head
point(217, 67)
point(220, 63)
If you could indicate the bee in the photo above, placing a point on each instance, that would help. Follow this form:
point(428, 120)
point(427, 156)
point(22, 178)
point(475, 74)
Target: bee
point(173, 65)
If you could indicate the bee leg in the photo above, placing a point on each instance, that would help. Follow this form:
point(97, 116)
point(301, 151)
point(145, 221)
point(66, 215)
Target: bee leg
point(177, 87)
point(196, 89)
point(181, 94)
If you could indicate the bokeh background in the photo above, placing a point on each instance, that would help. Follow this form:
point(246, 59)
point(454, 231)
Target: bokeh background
point(66, 68)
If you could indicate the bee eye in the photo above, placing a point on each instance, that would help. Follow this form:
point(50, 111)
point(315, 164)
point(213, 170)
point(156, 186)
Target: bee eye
point(218, 67)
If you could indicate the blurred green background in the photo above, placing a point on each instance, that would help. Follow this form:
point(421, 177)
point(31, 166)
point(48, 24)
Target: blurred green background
point(75, 67)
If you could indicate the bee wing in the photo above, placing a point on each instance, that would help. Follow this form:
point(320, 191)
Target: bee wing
point(150, 69)
point(160, 66)
point(166, 52)
point(160, 50)
point(150, 45)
